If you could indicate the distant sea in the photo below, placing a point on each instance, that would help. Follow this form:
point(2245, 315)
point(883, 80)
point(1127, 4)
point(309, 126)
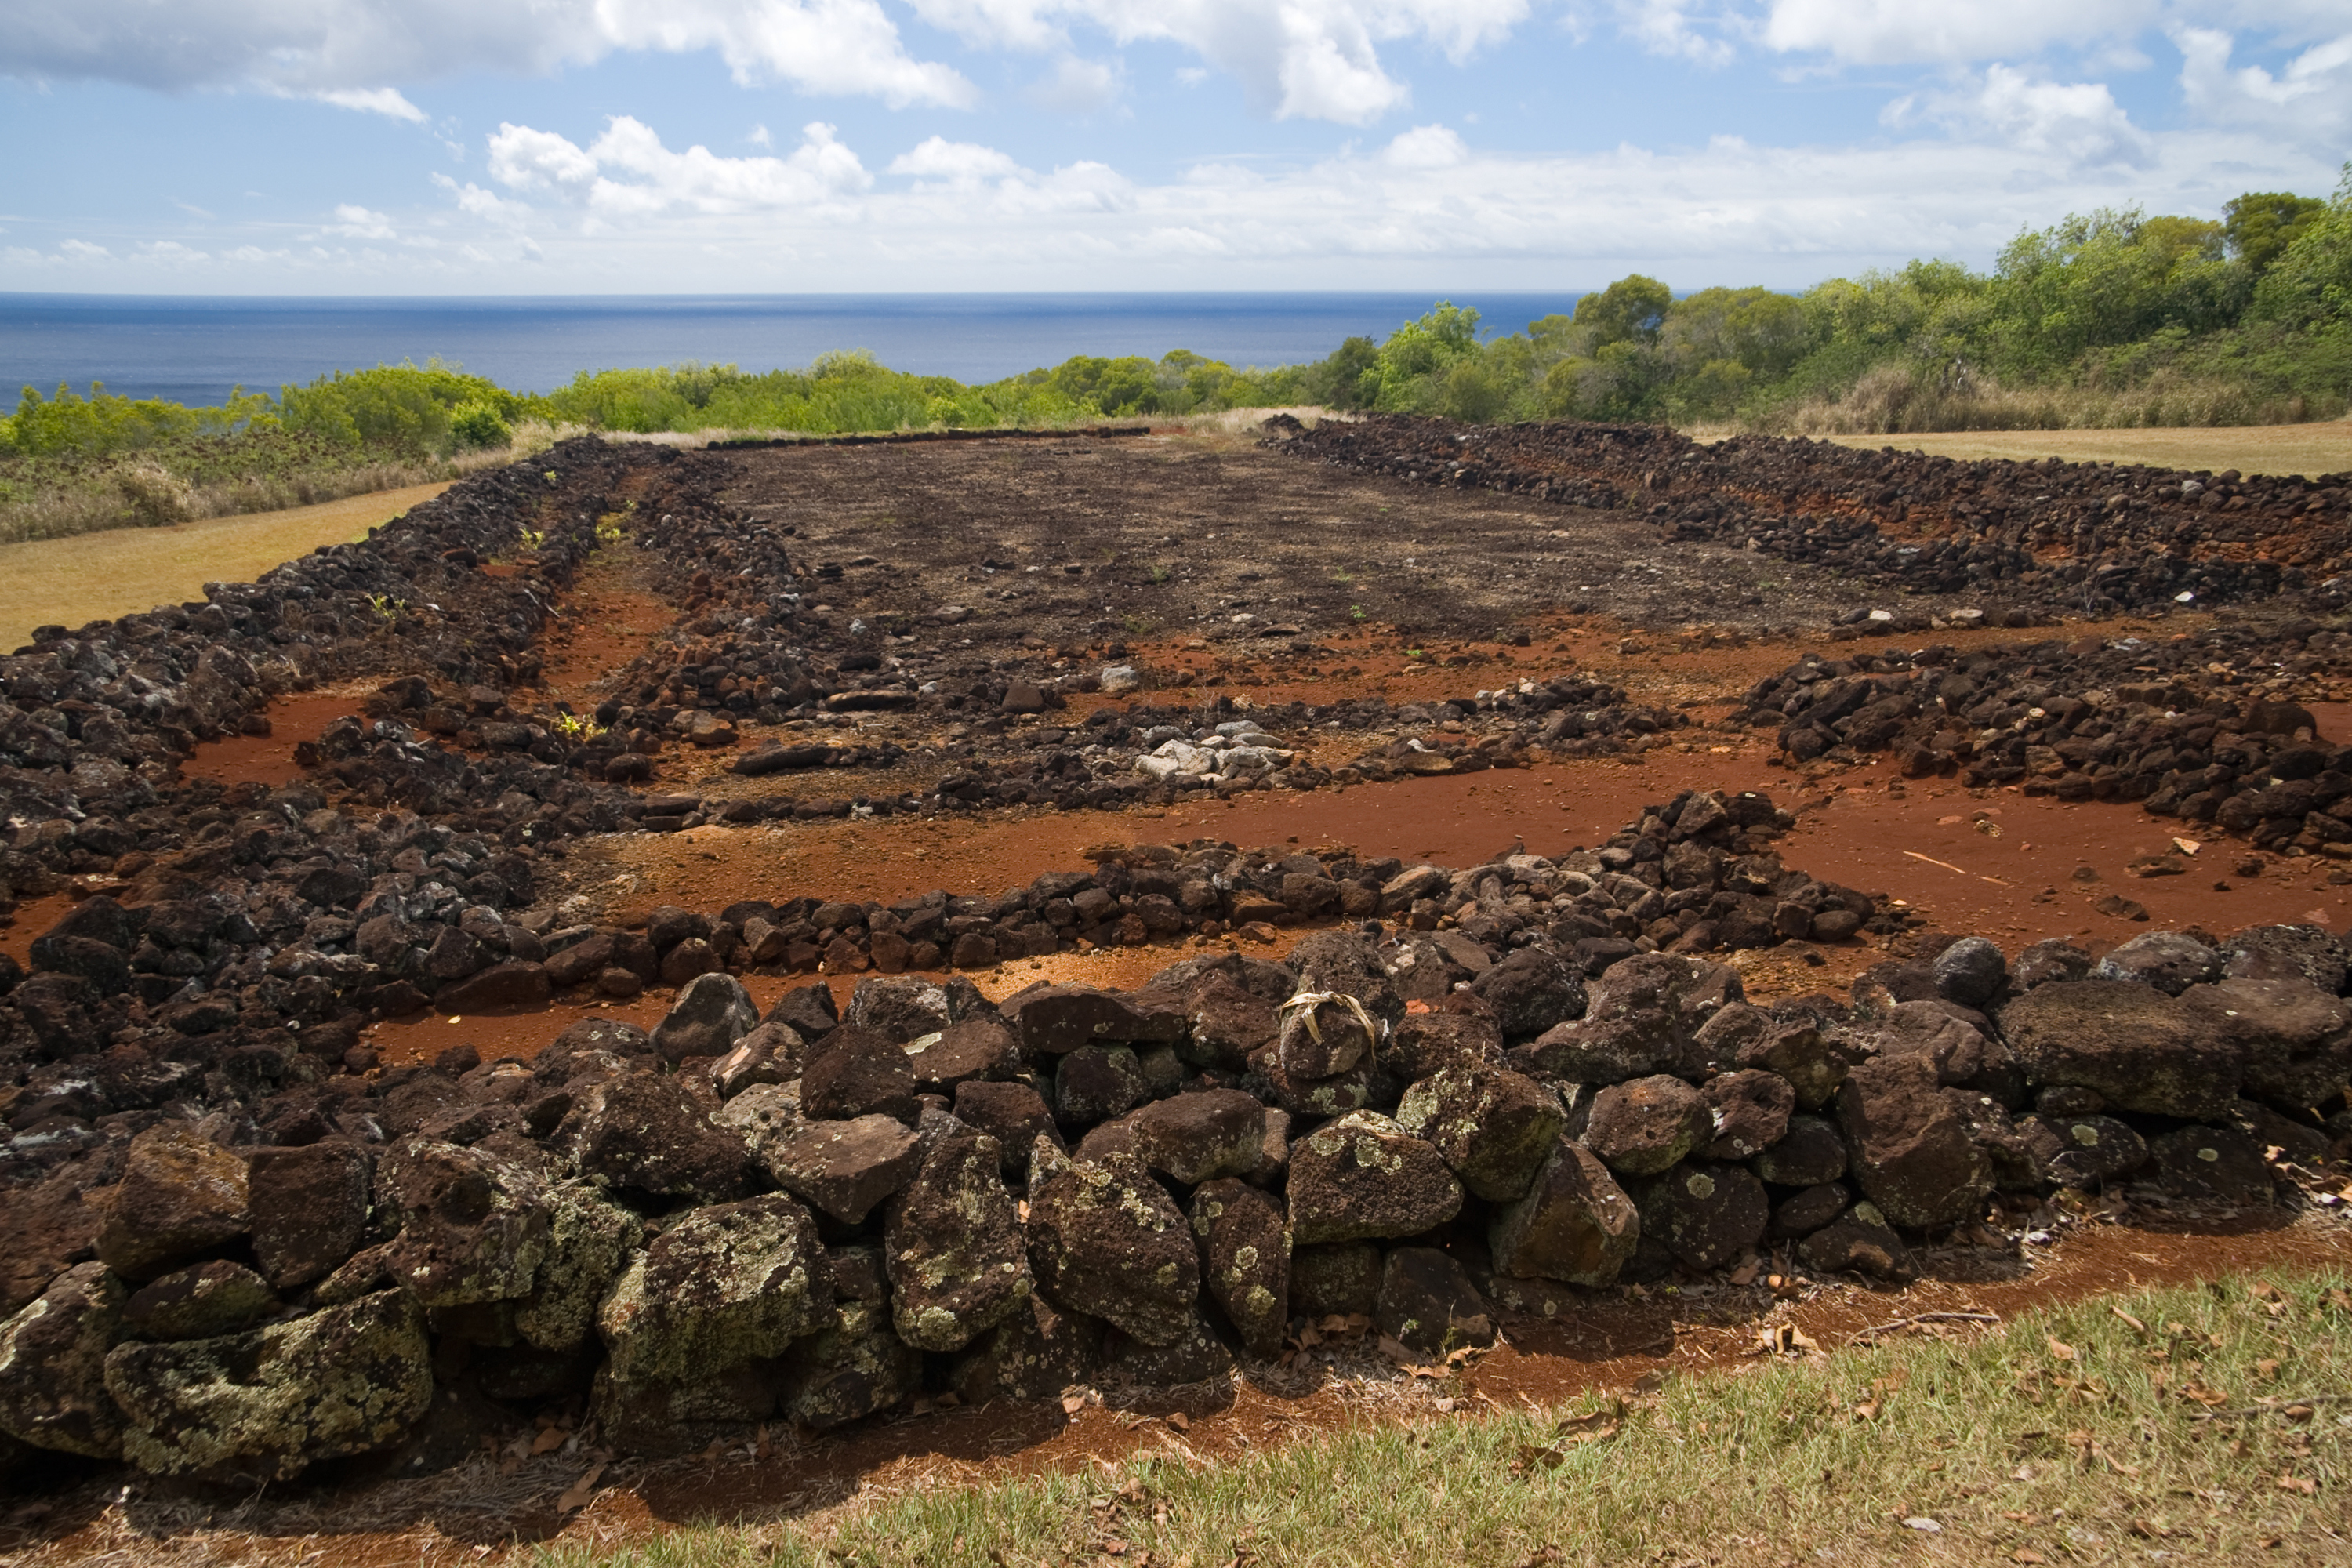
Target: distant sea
point(193, 349)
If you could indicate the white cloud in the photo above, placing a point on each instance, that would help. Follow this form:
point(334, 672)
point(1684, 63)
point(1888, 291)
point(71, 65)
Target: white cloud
point(1077, 86)
point(472, 198)
point(359, 223)
point(172, 252)
point(352, 52)
point(760, 137)
point(83, 250)
point(1667, 27)
point(2079, 124)
point(937, 158)
point(2310, 101)
point(1427, 147)
point(385, 101)
point(818, 172)
point(1890, 32)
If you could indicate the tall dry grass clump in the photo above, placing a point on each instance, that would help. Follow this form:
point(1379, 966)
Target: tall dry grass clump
point(1898, 399)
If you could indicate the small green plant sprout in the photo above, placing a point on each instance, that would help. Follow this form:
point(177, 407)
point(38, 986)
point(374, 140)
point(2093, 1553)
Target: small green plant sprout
point(572, 727)
point(1416, 653)
point(533, 538)
point(550, 476)
point(608, 527)
point(387, 608)
point(1138, 626)
point(1343, 577)
point(1161, 574)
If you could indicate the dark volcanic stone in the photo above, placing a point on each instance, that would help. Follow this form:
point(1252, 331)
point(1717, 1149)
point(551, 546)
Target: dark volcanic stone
point(644, 1132)
point(1362, 1177)
point(958, 1260)
point(1575, 1224)
point(1427, 1303)
point(1105, 1240)
point(1245, 1261)
point(845, 1168)
point(1493, 1127)
point(854, 1072)
point(310, 1208)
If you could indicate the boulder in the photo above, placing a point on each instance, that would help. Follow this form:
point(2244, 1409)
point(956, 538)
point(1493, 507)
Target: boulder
point(1198, 1137)
point(1494, 1127)
point(845, 1168)
point(659, 1418)
point(952, 1242)
point(1858, 1242)
point(1245, 1261)
point(1014, 1114)
point(182, 1195)
point(1105, 1240)
point(901, 1008)
point(1810, 1153)
point(2167, 959)
point(53, 1356)
point(1813, 1060)
point(727, 1284)
point(1349, 964)
point(44, 1229)
point(1054, 1020)
point(709, 1015)
point(1911, 1151)
point(1033, 1355)
point(854, 1072)
point(1705, 1213)
point(1195, 1355)
point(1426, 1303)
point(1805, 1212)
point(2287, 952)
point(473, 1225)
point(512, 985)
point(1322, 1039)
point(1641, 1016)
point(1096, 1083)
point(2053, 958)
point(1530, 991)
point(266, 1405)
point(975, 1049)
point(1575, 1224)
point(308, 1206)
point(2220, 1164)
point(854, 1365)
point(199, 1302)
point(1748, 1111)
point(644, 1133)
point(1647, 1125)
point(1970, 972)
point(1225, 1022)
point(1432, 1042)
point(2294, 1040)
point(2130, 1042)
point(807, 1010)
point(2082, 1151)
point(589, 1240)
point(1341, 1278)
point(1362, 1177)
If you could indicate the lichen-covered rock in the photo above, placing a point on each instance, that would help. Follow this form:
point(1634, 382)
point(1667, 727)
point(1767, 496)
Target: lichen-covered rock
point(1341, 1278)
point(1493, 1127)
point(1363, 1177)
point(979, 1049)
point(856, 1072)
point(845, 1168)
point(644, 1133)
point(1641, 1017)
point(52, 1366)
point(182, 1196)
point(1530, 991)
point(2295, 1041)
point(726, 1284)
point(199, 1303)
point(1096, 1083)
point(264, 1405)
point(1575, 1224)
point(662, 1418)
point(1707, 1214)
point(2131, 1043)
point(2083, 1150)
point(1910, 1147)
point(1245, 1261)
point(1195, 1355)
point(472, 1227)
point(1748, 1111)
point(1427, 1303)
point(1201, 1136)
point(957, 1261)
point(1812, 1059)
point(589, 1240)
point(854, 1365)
point(1860, 1241)
point(1646, 1125)
point(1033, 1355)
point(1810, 1153)
point(310, 1208)
point(44, 1229)
point(2167, 961)
point(1014, 1114)
point(1439, 1041)
point(2217, 1163)
point(1105, 1240)
point(709, 1015)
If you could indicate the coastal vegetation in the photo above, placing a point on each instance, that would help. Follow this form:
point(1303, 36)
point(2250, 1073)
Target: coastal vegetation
point(2105, 320)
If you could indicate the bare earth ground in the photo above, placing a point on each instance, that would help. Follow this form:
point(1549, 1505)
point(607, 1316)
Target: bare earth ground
point(97, 576)
point(1146, 550)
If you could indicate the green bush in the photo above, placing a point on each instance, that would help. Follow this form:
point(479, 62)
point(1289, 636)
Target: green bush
point(479, 426)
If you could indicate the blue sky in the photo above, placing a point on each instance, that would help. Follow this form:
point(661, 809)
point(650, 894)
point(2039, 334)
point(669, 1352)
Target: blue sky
point(616, 146)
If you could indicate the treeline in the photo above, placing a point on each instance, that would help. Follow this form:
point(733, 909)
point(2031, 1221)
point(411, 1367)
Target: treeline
point(2113, 319)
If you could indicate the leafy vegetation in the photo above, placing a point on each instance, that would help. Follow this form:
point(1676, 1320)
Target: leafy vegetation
point(2204, 1422)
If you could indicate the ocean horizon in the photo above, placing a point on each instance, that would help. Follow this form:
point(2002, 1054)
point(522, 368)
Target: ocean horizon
point(193, 349)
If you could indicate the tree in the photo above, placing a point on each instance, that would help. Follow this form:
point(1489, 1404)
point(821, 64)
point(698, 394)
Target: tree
point(1631, 309)
point(2258, 226)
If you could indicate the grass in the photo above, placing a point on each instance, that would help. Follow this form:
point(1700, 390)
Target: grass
point(2305, 449)
point(97, 576)
point(2100, 1432)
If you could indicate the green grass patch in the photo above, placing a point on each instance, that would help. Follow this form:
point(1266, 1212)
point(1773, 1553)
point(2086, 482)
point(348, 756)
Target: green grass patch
point(2173, 1421)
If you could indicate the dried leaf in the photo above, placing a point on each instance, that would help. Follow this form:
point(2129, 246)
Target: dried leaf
point(550, 1439)
point(2027, 1554)
point(1181, 1422)
point(582, 1490)
point(2199, 1392)
point(1072, 1403)
point(2061, 1350)
point(2302, 1484)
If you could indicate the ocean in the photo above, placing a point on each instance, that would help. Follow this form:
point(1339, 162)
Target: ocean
point(192, 349)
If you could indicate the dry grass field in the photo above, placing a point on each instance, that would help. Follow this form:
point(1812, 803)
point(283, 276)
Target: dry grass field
point(2323, 447)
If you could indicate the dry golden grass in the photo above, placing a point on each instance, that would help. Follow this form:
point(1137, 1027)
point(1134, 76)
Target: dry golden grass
point(99, 576)
point(2306, 449)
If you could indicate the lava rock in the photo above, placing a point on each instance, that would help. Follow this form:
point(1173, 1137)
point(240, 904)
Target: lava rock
point(1530, 991)
point(1911, 1151)
point(1033, 1355)
point(1646, 1126)
point(1198, 1137)
point(1750, 1112)
point(1493, 1127)
point(724, 1285)
point(1245, 1249)
point(308, 1206)
point(845, 1168)
point(1811, 1151)
point(215, 1298)
point(1707, 1214)
point(1858, 1242)
point(181, 1196)
point(644, 1133)
point(1362, 1177)
point(1426, 1303)
point(2166, 960)
point(53, 1356)
point(2219, 1164)
point(952, 1241)
point(1970, 972)
point(854, 1072)
point(1576, 1225)
point(1096, 1083)
point(2130, 1042)
point(1105, 1240)
point(709, 1015)
point(2083, 1150)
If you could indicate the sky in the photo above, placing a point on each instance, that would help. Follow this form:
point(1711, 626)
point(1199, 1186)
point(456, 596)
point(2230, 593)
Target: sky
point(790, 146)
